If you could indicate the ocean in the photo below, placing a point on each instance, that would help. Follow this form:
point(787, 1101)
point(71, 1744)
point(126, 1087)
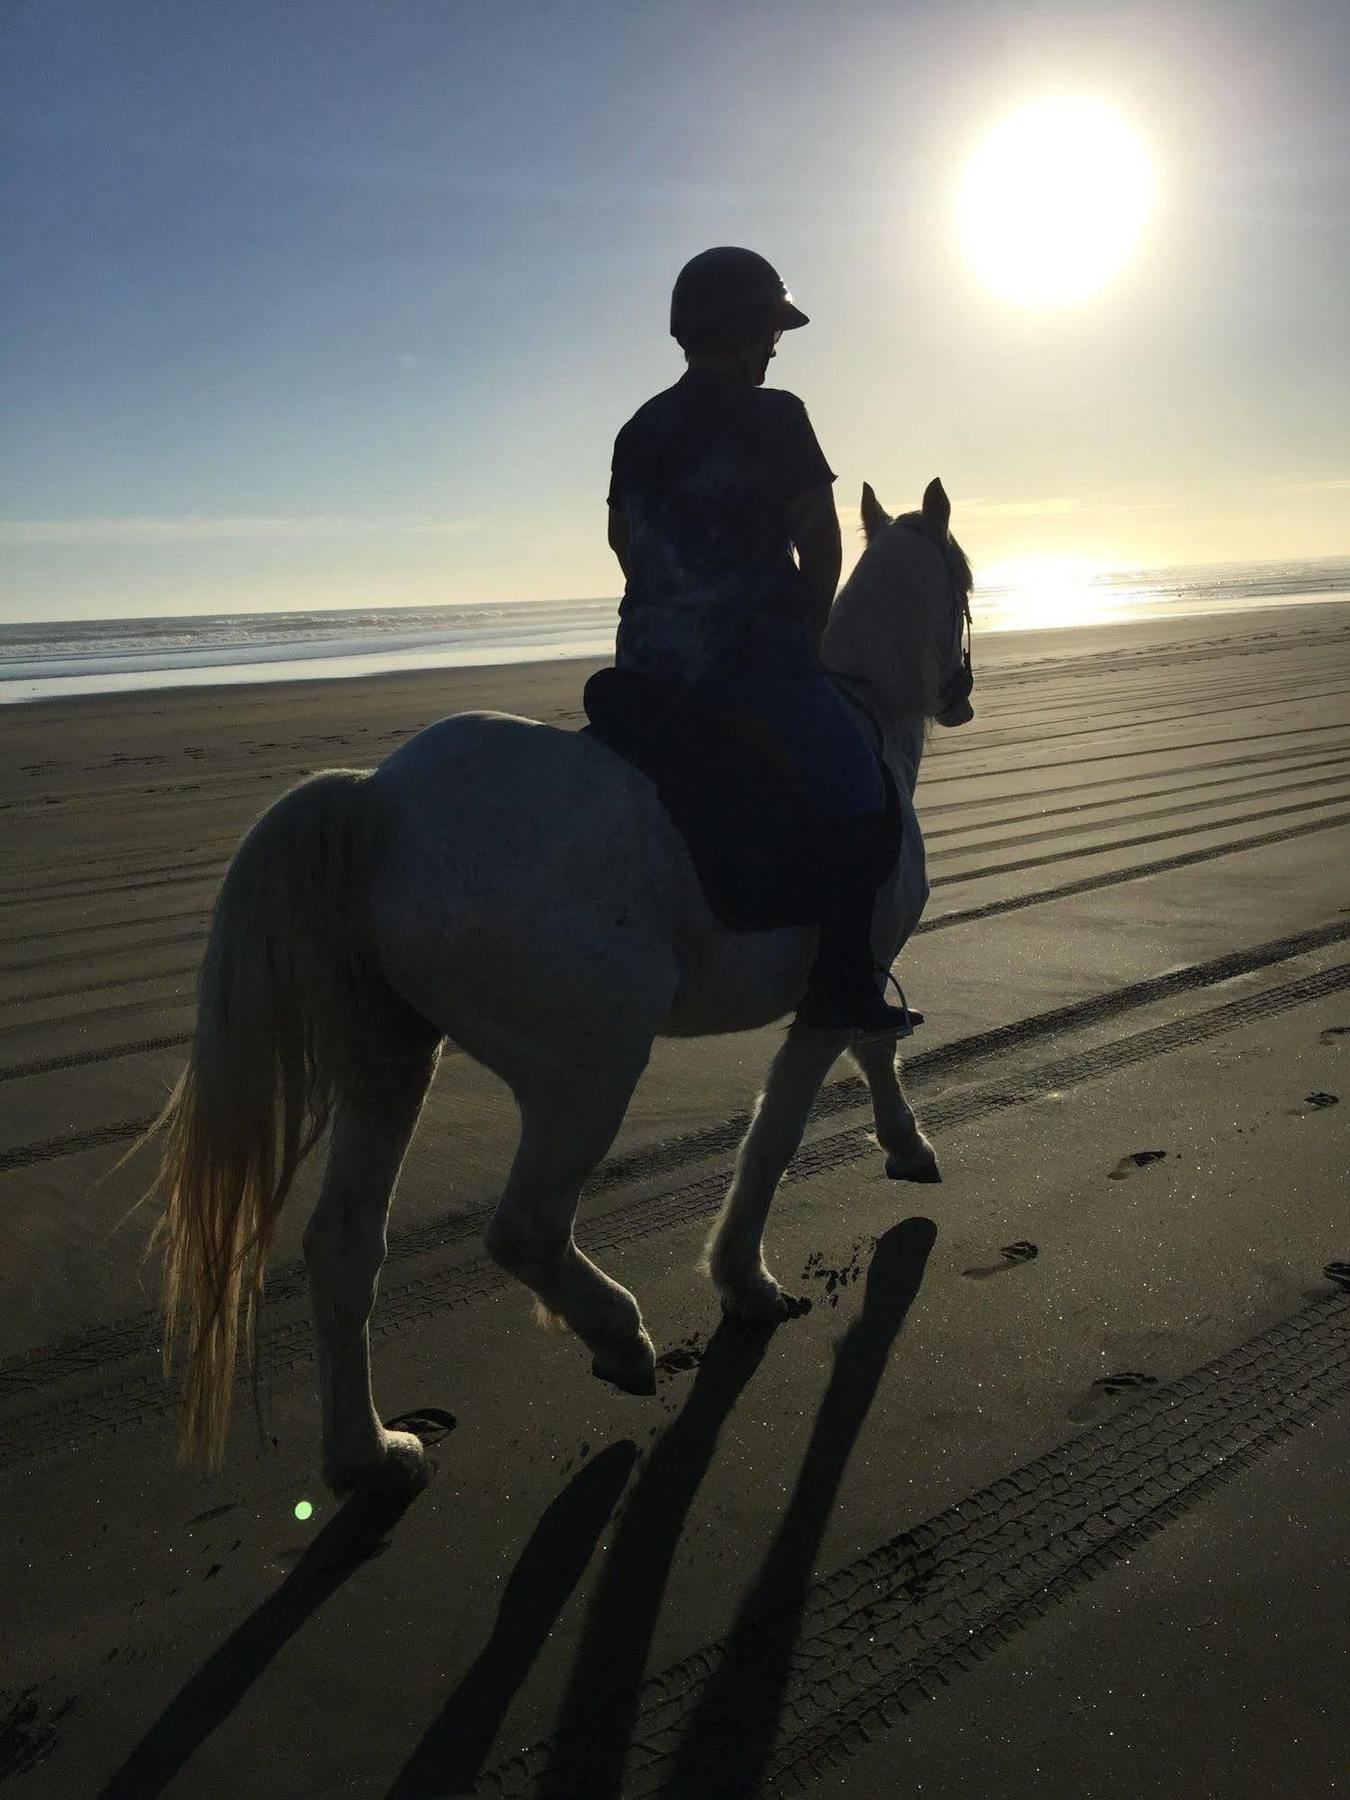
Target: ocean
point(100, 656)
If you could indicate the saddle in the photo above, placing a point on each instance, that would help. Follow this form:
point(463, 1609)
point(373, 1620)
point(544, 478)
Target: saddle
point(761, 851)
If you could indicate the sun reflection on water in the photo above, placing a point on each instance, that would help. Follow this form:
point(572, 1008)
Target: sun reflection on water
point(1040, 593)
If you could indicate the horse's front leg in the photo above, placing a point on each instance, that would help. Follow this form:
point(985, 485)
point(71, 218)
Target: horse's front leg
point(909, 1155)
point(734, 1255)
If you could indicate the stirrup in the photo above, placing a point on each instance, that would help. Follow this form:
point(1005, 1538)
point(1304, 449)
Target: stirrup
point(904, 1030)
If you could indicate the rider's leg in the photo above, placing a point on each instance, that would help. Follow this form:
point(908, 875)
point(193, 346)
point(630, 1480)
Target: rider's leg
point(734, 1256)
point(844, 987)
point(849, 800)
point(842, 787)
point(909, 1155)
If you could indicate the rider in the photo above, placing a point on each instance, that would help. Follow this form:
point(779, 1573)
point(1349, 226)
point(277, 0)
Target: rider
point(715, 482)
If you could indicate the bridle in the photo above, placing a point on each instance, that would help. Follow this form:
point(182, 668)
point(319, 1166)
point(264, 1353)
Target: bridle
point(960, 686)
point(956, 690)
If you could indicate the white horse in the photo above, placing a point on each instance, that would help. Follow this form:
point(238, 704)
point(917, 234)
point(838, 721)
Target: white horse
point(520, 890)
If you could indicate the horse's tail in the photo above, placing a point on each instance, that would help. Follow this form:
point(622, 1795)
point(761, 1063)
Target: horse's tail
point(286, 995)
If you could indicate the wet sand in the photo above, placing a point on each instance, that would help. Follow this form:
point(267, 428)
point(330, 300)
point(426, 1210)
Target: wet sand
point(1134, 973)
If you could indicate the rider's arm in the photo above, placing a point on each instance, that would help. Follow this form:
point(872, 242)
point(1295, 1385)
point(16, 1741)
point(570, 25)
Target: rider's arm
point(814, 527)
point(618, 538)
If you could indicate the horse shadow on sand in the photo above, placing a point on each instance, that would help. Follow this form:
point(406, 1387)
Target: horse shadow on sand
point(726, 1744)
point(725, 1747)
point(602, 1688)
point(553, 1561)
point(356, 1533)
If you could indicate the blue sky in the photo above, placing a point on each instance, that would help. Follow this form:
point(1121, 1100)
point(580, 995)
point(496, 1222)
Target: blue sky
point(340, 304)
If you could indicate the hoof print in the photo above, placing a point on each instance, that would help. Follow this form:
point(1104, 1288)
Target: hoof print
point(1020, 1252)
point(837, 1279)
point(1137, 1159)
point(1333, 1034)
point(1094, 1403)
point(1124, 1382)
point(1339, 1272)
point(1318, 1101)
point(429, 1423)
point(687, 1355)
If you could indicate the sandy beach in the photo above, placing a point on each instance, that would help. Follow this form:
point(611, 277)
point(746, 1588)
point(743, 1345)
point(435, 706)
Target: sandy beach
point(1015, 1505)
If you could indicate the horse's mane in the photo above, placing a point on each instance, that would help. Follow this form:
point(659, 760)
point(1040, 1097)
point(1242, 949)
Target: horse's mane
point(893, 621)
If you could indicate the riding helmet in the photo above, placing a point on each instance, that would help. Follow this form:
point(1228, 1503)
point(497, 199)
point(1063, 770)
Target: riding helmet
point(721, 283)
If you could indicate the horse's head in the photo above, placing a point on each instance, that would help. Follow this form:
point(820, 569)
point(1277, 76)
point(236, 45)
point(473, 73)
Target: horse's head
point(901, 617)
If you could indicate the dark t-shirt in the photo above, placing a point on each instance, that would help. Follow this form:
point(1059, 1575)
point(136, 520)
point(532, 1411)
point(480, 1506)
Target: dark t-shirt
point(704, 474)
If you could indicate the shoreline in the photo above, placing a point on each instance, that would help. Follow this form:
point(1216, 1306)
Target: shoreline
point(1052, 639)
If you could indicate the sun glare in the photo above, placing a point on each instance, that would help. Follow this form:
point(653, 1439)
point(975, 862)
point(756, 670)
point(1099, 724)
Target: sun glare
point(1037, 593)
point(1054, 200)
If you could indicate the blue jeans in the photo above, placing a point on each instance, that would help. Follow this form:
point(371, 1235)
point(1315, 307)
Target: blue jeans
point(782, 685)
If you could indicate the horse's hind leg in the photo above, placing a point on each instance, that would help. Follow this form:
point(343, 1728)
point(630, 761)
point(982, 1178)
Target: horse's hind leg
point(344, 1249)
point(734, 1255)
point(568, 1121)
point(909, 1155)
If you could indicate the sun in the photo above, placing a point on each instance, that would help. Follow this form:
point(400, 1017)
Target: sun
point(1054, 201)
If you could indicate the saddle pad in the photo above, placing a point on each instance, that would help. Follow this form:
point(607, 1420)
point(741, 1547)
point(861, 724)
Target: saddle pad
point(755, 841)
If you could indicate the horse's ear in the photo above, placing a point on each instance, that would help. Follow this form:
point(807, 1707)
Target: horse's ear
point(875, 518)
point(937, 509)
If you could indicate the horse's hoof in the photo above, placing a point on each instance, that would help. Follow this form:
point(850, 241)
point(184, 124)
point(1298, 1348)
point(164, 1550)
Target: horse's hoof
point(761, 1303)
point(632, 1373)
point(401, 1473)
point(920, 1164)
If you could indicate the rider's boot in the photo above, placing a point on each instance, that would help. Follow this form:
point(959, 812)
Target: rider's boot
point(842, 992)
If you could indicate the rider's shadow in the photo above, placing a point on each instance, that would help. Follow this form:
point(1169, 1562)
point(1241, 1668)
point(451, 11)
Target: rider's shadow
point(727, 1742)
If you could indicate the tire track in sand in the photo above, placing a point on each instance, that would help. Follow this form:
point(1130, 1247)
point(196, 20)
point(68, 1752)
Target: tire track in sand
point(869, 1643)
point(22, 1155)
point(170, 940)
point(141, 1397)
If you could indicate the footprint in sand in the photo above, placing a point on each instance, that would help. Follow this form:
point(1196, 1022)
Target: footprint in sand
point(686, 1355)
point(1333, 1034)
point(1012, 1254)
point(835, 1279)
point(1313, 1103)
point(429, 1423)
point(1106, 1388)
point(1137, 1159)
